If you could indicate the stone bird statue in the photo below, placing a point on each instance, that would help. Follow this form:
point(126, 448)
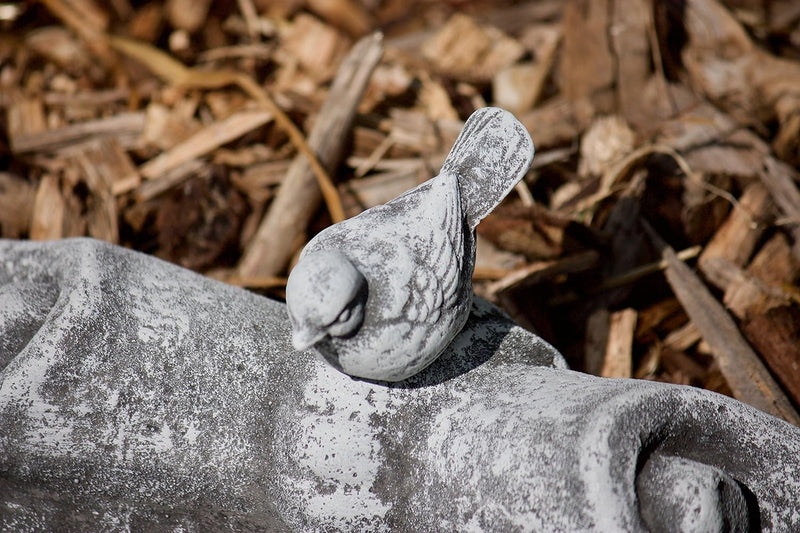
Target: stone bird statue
point(381, 295)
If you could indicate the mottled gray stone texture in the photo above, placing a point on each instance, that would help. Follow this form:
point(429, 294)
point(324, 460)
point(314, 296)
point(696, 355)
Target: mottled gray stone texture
point(381, 295)
point(137, 395)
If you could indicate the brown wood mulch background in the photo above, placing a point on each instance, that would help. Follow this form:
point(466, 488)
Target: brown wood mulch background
point(656, 236)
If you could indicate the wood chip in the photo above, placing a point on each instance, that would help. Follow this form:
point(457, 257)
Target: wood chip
point(774, 263)
point(48, 211)
point(464, 49)
point(682, 339)
point(630, 41)
point(17, 198)
point(95, 168)
point(519, 86)
point(126, 128)
point(745, 373)
point(299, 196)
point(608, 140)
point(205, 140)
point(187, 14)
point(596, 340)
point(165, 127)
point(781, 180)
point(351, 16)
point(609, 343)
point(587, 65)
point(25, 119)
point(776, 335)
point(618, 361)
point(169, 179)
point(558, 121)
point(317, 47)
point(543, 270)
point(748, 295)
point(60, 46)
point(736, 239)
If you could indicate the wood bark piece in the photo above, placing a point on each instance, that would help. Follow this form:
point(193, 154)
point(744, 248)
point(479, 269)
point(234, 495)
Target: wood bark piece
point(466, 50)
point(564, 119)
point(89, 21)
point(125, 127)
point(187, 15)
point(739, 154)
point(543, 270)
point(656, 316)
point(683, 338)
point(317, 46)
point(49, 211)
point(738, 236)
point(606, 141)
point(176, 73)
point(748, 295)
point(16, 205)
point(597, 328)
point(152, 188)
point(349, 15)
point(25, 120)
point(698, 126)
point(204, 141)
point(776, 335)
point(781, 180)
point(106, 169)
point(618, 360)
point(632, 24)
point(774, 263)
point(113, 165)
point(770, 321)
point(587, 65)
point(299, 195)
point(165, 126)
point(88, 97)
point(519, 86)
point(747, 376)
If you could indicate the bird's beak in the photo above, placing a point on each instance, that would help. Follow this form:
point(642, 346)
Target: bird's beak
point(303, 339)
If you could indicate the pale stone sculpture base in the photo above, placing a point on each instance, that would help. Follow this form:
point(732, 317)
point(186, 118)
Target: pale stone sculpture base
point(139, 395)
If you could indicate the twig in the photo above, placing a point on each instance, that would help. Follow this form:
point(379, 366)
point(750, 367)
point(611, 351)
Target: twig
point(622, 168)
point(747, 376)
point(275, 241)
point(631, 276)
point(250, 16)
point(524, 193)
point(175, 73)
point(90, 33)
point(538, 272)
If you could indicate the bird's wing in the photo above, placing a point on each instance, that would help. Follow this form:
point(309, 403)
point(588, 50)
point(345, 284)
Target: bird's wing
point(411, 249)
point(437, 239)
point(492, 153)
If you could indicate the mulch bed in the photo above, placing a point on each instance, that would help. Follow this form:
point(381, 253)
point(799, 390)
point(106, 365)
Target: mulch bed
point(656, 236)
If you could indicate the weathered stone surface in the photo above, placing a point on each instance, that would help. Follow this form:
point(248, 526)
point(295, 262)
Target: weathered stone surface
point(139, 395)
point(381, 295)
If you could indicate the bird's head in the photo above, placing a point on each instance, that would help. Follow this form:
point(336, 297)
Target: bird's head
point(325, 296)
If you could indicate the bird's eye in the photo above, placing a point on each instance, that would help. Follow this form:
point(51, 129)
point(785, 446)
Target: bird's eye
point(344, 316)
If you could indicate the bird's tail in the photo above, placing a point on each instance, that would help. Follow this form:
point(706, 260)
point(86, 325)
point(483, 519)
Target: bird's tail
point(492, 153)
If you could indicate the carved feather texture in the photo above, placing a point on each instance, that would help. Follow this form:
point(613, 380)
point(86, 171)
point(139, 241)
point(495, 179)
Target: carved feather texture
point(416, 254)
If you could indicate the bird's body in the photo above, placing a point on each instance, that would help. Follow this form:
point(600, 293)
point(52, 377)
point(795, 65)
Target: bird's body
point(382, 294)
